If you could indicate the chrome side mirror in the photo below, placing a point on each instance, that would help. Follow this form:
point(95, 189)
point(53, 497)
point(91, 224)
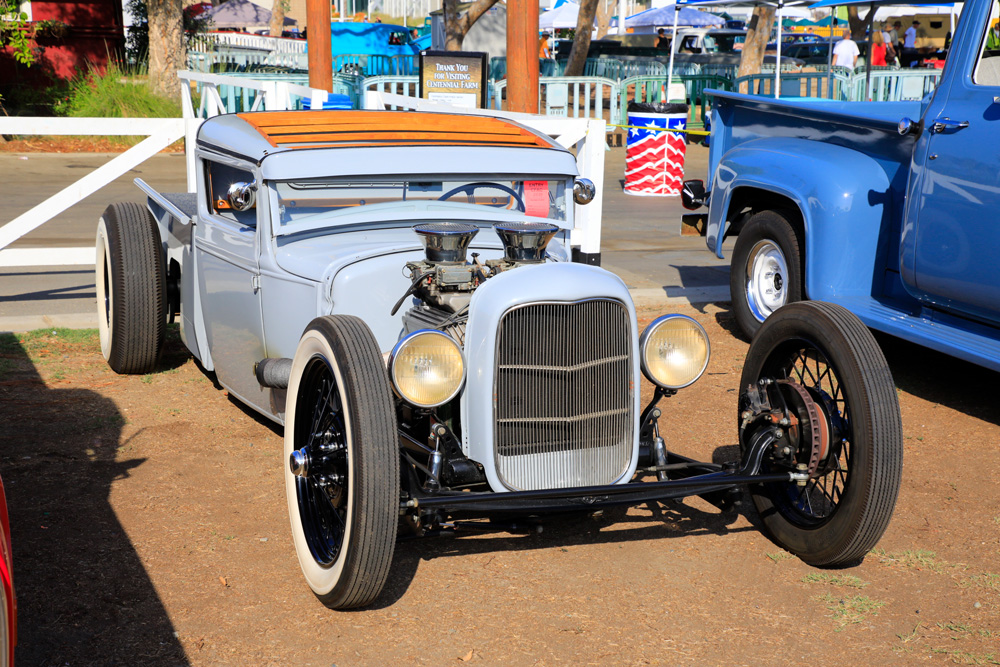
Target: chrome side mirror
point(584, 191)
point(242, 196)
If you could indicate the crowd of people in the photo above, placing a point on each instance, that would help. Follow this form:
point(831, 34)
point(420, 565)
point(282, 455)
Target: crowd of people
point(891, 46)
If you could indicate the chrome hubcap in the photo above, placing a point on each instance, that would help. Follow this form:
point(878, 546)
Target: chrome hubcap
point(766, 278)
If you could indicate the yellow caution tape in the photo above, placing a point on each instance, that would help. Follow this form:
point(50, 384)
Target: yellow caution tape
point(701, 133)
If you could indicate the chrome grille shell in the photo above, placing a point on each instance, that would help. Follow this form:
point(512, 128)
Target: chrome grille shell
point(563, 405)
point(551, 282)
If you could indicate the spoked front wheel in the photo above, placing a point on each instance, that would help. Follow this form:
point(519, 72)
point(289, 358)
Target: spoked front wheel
point(342, 462)
point(819, 369)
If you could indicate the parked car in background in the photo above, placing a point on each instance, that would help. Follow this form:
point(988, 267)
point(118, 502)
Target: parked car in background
point(397, 289)
point(818, 52)
point(708, 40)
point(8, 600)
point(886, 208)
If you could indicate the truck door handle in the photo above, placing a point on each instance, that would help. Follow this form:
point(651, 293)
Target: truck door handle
point(943, 124)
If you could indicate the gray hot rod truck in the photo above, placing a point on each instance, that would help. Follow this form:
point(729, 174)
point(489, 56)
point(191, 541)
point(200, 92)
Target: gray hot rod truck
point(396, 289)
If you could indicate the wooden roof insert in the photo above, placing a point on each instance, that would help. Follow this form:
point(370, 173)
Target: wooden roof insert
point(291, 129)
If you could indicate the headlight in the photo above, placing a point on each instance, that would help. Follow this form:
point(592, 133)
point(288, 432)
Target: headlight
point(427, 368)
point(675, 351)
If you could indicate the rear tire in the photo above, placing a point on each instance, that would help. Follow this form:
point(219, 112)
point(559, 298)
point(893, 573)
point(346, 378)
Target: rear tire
point(766, 270)
point(844, 509)
point(131, 288)
point(344, 505)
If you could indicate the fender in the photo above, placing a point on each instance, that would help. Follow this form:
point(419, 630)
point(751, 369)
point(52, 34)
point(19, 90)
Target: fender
point(841, 193)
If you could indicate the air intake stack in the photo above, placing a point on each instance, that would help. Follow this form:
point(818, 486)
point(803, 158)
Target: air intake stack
point(525, 242)
point(446, 242)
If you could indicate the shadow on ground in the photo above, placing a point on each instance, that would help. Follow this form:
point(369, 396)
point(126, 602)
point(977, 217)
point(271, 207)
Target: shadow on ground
point(926, 373)
point(666, 520)
point(943, 379)
point(84, 597)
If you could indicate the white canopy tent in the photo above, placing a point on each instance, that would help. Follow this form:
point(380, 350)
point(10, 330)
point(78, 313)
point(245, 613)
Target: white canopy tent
point(563, 16)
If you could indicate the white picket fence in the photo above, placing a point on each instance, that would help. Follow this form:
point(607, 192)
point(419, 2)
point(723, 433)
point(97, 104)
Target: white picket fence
point(585, 136)
point(213, 40)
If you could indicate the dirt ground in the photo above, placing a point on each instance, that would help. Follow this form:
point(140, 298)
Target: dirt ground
point(150, 528)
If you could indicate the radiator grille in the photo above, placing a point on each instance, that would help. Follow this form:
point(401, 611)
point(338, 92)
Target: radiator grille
point(563, 403)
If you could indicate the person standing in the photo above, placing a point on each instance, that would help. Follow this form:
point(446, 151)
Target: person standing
point(543, 47)
point(896, 41)
point(878, 50)
point(845, 52)
point(890, 45)
point(662, 42)
point(909, 55)
point(993, 37)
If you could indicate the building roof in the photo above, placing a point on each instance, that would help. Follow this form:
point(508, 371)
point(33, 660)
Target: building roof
point(359, 129)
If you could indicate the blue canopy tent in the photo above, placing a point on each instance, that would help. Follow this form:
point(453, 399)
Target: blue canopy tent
point(676, 15)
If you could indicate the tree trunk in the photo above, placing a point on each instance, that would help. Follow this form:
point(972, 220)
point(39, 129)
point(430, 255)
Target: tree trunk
point(456, 25)
point(758, 34)
point(581, 42)
point(603, 19)
point(277, 17)
point(857, 24)
point(167, 52)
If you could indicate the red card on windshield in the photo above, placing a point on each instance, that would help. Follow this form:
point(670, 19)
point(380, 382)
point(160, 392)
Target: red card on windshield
point(536, 198)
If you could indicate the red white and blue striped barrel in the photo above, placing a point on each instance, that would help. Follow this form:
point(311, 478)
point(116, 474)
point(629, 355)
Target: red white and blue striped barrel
point(654, 159)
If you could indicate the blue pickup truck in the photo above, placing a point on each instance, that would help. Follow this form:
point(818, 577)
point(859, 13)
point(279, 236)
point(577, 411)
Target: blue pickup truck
point(890, 209)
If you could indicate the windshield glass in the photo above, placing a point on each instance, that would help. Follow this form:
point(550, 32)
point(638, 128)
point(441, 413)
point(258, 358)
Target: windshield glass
point(723, 43)
point(300, 202)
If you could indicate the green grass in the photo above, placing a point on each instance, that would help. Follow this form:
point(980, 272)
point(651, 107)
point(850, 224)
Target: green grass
point(779, 556)
point(852, 610)
point(988, 581)
point(847, 580)
point(963, 629)
point(119, 93)
point(917, 559)
point(968, 657)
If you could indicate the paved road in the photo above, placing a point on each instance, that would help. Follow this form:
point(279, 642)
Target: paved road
point(640, 241)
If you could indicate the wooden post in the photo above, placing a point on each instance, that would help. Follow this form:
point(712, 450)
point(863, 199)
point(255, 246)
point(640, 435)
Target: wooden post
point(318, 42)
point(522, 55)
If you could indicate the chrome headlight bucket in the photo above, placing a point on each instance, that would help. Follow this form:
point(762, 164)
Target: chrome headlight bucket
point(427, 368)
point(674, 351)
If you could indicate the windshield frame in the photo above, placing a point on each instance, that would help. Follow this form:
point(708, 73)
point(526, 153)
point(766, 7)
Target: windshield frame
point(404, 212)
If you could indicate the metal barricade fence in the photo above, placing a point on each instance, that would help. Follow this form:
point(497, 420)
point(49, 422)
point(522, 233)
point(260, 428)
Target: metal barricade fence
point(715, 69)
point(396, 85)
point(367, 65)
point(810, 84)
point(571, 97)
point(238, 97)
point(652, 89)
point(894, 85)
point(643, 67)
point(604, 68)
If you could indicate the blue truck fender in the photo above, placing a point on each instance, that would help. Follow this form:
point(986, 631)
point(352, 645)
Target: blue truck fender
point(846, 210)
